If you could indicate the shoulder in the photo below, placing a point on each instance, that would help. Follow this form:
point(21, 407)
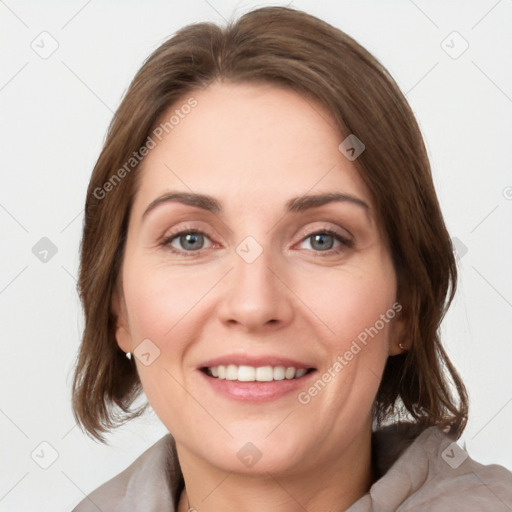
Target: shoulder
point(455, 479)
point(444, 476)
point(429, 471)
point(143, 485)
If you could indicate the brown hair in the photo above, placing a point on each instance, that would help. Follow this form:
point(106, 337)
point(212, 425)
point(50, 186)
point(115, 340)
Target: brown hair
point(287, 47)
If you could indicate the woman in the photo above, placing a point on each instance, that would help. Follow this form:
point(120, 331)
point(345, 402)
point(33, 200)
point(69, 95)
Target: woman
point(263, 242)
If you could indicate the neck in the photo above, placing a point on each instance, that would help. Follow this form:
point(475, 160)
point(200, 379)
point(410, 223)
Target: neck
point(335, 485)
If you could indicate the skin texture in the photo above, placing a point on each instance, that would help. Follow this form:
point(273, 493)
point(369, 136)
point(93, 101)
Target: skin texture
point(253, 147)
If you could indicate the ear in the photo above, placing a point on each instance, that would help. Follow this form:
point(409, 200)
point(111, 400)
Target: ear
point(122, 331)
point(398, 335)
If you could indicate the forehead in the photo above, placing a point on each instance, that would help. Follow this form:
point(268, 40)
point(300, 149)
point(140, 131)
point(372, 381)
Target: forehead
point(250, 143)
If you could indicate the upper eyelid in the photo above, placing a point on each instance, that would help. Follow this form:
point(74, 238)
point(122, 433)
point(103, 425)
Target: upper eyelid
point(206, 230)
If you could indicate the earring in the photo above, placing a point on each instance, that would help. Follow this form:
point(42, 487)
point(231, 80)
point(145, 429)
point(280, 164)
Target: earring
point(401, 346)
point(128, 355)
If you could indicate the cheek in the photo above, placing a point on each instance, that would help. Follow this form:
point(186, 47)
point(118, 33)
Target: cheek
point(355, 310)
point(160, 304)
point(159, 301)
point(350, 301)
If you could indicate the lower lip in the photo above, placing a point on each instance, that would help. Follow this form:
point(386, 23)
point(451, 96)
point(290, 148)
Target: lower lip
point(257, 391)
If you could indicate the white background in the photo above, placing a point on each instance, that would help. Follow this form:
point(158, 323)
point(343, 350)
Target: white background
point(55, 115)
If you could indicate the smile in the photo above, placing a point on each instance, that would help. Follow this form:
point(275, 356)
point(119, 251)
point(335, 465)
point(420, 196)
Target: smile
point(243, 373)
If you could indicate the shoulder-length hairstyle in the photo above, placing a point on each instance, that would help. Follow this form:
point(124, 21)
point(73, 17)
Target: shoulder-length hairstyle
point(285, 47)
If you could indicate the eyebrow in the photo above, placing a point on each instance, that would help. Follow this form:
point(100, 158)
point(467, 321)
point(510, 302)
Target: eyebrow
point(294, 205)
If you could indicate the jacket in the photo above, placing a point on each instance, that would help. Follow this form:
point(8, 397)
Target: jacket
point(424, 471)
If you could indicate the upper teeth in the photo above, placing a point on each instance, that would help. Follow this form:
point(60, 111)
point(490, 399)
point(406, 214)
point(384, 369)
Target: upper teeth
point(250, 373)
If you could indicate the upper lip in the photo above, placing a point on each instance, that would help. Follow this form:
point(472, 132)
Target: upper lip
point(245, 360)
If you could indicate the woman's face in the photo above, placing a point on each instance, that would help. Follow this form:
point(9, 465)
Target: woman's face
point(261, 283)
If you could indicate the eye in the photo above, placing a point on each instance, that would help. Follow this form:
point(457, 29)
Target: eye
point(322, 242)
point(186, 241)
point(190, 242)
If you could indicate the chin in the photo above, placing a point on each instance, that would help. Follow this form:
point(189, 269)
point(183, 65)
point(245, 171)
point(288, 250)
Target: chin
point(260, 453)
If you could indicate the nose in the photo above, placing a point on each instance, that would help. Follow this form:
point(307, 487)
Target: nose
point(255, 295)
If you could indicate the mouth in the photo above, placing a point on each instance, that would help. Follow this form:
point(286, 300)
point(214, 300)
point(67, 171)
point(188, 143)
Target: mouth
point(256, 378)
point(244, 373)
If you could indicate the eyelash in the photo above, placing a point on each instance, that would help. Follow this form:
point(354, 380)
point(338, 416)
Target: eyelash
point(345, 242)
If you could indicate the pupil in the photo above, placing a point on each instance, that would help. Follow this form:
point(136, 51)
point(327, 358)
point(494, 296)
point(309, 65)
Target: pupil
point(190, 239)
point(318, 238)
